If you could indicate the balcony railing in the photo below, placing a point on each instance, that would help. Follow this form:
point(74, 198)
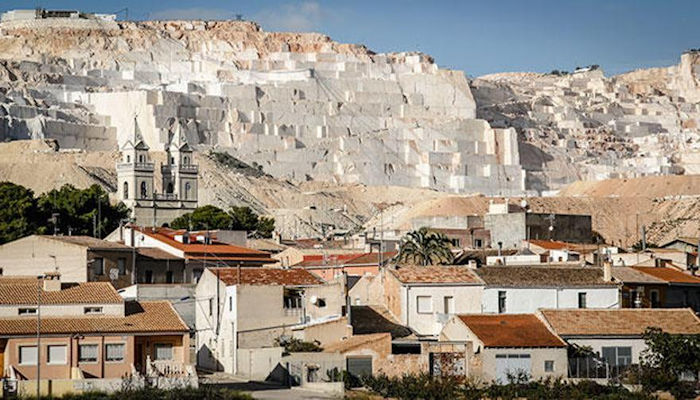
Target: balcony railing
point(166, 196)
point(168, 368)
point(147, 166)
point(189, 167)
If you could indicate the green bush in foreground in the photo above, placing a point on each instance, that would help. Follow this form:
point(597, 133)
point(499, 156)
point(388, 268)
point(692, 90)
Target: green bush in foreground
point(159, 394)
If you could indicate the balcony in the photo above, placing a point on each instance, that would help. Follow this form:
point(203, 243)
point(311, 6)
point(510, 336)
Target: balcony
point(148, 167)
point(166, 196)
point(194, 168)
point(167, 169)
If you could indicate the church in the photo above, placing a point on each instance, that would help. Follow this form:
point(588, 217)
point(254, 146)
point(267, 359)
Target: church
point(136, 179)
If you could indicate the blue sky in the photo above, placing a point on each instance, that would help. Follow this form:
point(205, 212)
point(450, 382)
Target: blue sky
point(477, 37)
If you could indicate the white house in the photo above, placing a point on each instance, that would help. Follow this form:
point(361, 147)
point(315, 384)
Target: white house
point(615, 336)
point(423, 298)
point(241, 312)
point(521, 289)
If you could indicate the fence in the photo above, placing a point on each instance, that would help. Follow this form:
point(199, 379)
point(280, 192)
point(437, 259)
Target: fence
point(596, 368)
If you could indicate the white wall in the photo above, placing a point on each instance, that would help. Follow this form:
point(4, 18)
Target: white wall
point(467, 300)
point(529, 300)
point(34, 255)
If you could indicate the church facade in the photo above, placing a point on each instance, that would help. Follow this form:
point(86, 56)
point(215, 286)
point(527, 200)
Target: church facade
point(136, 179)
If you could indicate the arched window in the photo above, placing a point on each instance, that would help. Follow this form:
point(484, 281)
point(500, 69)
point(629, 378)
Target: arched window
point(170, 187)
point(144, 191)
point(126, 190)
point(187, 190)
point(128, 158)
point(141, 158)
point(186, 160)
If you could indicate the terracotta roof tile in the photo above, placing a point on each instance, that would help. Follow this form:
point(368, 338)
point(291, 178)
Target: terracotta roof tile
point(631, 275)
point(140, 317)
point(522, 276)
point(370, 258)
point(156, 254)
point(625, 321)
point(436, 274)
point(266, 276)
point(669, 274)
point(17, 291)
point(511, 330)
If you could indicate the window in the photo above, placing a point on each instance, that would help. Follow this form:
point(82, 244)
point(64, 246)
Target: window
point(582, 300)
point(114, 352)
point(169, 187)
point(148, 276)
point(128, 158)
point(98, 266)
point(186, 160)
point(549, 366)
point(424, 304)
point(121, 266)
point(56, 354)
point(163, 352)
point(126, 190)
point(478, 243)
point(140, 158)
point(501, 301)
point(187, 190)
point(27, 355)
point(26, 311)
point(617, 356)
point(92, 310)
point(654, 298)
point(87, 353)
point(144, 190)
point(449, 304)
point(169, 277)
point(230, 303)
point(211, 307)
point(292, 299)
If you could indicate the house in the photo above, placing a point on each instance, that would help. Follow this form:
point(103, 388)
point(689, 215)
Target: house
point(614, 336)
point(88, 259)
point(199, 250)
point(639, 290)
point(684, 244)
point(681, 288)
point(524, 289)
point(320, 256)
point(353, 264)
point(241, 312)
point(424, 297)
point(88, 334)
point(508, 344)
point(510, 226)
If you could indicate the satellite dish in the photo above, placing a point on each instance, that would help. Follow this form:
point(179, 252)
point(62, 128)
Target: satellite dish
point(313, 299)
point(114, 274)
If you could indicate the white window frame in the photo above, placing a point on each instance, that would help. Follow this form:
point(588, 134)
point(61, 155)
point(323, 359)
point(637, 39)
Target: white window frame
point(26, 311)
point(49, 360)
point(550, 362)
point(429, 300)
point(93, 310)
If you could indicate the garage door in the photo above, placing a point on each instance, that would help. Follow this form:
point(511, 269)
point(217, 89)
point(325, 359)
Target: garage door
point(360, 366)
point(512, 364)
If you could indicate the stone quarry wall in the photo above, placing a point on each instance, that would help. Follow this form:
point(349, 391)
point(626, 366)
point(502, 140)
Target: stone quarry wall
point(299, 105)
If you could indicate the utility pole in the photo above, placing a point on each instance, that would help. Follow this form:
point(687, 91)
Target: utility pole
point(38, 336)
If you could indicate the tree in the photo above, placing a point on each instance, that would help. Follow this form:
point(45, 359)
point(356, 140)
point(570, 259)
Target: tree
point(79, 211)
point(18, 212)
point(425, 247)
point(265, 227)
point(673, 353)
point(244, 219)
point(206, 217)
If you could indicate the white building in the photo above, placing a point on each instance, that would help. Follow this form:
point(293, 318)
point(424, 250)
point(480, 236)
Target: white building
point(424, 298)
point(521, 289)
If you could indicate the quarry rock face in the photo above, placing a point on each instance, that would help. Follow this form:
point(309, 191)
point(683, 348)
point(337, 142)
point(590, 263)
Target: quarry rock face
point(298, 105)
point(586, 126)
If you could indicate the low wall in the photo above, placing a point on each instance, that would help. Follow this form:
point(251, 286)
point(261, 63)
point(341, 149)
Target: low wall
point(258, 364)
point(61, 387)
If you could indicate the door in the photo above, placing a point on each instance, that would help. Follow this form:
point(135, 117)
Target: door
point(513, 365)
point(140, 364)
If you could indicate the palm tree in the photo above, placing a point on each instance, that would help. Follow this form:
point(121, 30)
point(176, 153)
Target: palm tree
point(425, 247)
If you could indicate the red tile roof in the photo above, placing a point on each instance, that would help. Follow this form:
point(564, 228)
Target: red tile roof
point(370, 258)
point(266, 276)
point(670, 275)
point(23, 290)
point(140, 317)
point(551, 244)
point(511, 330)
point(436, 274)
point(622, 321)
point(213, 250)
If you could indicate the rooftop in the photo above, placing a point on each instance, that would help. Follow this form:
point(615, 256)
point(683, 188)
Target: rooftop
point(631, 275)
point(526, 276)
point(511, 330)
point(623, 321)
point(355, 341)
point(87, 241)
point(266, 276)
point(139, 317)
point(670, 275)
point(156, 254)
point(436, 274)
point(23, 290)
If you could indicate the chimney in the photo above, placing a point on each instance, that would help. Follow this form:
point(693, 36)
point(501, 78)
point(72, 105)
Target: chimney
point(607, 270)
point(52, 281)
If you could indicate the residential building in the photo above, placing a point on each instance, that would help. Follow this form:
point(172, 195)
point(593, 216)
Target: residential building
point(525, 289)
point(683, 243)
point(681, 288)
point(614, 335)
point(424, 297)
point(322, 256)
point(199, 250)
point(511, 226)
point(241, 312)
point(88, 332)
point(639, 290)
point(353, 264)
point(505, 345)
point(88, 259)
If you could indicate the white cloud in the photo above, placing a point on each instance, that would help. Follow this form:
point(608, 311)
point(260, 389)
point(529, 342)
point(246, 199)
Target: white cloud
point(193, 13)
point(302, 16)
